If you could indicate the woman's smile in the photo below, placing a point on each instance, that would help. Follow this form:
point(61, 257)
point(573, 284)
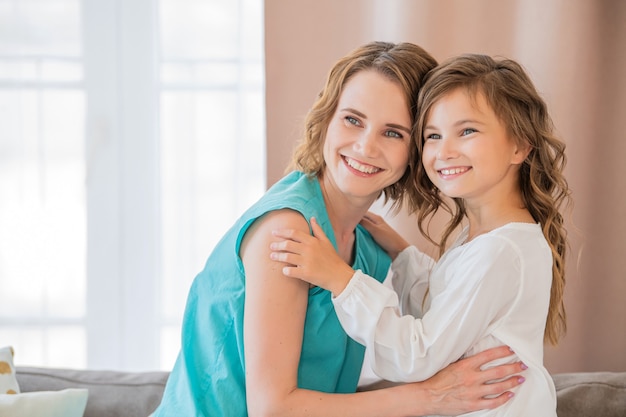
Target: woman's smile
point(360, 167)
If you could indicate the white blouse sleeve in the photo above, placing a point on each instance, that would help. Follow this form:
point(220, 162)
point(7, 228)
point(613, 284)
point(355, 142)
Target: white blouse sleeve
point(409, 279)
point(478, 290)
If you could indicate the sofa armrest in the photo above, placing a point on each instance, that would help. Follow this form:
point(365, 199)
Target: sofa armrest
point(111, 393)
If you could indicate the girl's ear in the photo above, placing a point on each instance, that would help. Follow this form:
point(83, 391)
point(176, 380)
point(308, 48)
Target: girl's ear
point(521, 153)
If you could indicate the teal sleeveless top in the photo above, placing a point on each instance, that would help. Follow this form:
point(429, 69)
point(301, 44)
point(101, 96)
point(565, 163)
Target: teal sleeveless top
point(208, 378)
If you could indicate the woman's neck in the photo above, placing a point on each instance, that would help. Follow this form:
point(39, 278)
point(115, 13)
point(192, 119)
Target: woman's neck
point(344, 214)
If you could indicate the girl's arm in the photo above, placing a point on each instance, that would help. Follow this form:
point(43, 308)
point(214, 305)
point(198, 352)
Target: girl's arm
point(403, 347)
point(273, 324)
point(315, 260)
point(467, 302)
point(386, 236)
point(410, 268)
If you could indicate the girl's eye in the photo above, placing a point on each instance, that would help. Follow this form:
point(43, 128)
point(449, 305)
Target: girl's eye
point(352, 120)
point(468, 131)
point(393, 134)
point(432, 136)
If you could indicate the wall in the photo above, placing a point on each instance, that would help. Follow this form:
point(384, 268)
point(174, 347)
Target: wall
point(575, 51)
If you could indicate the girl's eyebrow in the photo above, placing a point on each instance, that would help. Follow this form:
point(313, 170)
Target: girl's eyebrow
point(470, 121)
point(458, 123)
point(363, 116)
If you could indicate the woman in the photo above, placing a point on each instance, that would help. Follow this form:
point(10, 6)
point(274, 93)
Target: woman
point(255, 342)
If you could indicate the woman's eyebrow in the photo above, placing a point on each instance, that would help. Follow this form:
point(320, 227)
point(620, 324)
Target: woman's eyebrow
point(399, 127)
point(355, 111)
point(393, 125)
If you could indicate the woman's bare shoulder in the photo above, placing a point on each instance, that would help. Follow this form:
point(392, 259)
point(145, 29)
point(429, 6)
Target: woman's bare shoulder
point(257, 238)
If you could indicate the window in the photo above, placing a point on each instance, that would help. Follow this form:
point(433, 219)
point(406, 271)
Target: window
point(132, 136)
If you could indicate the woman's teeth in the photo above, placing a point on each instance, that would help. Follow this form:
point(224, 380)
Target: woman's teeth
point(366, 169)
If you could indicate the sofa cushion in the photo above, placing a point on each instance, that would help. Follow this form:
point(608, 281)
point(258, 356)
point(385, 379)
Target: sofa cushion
point(591, 394)
point(111, 393)
point(8, 383)
point(65, 403)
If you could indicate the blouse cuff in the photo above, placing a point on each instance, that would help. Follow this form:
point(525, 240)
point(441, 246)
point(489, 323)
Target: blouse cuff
point(360, 305)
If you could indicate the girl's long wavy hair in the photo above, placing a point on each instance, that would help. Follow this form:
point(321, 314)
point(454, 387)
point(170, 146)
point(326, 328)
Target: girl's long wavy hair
point(404, 63)
point(545, 192)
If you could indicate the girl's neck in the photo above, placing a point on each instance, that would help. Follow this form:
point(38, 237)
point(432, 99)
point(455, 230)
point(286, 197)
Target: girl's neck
point(485, 218)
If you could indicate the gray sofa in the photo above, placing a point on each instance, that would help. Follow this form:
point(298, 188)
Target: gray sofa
point(137, 394)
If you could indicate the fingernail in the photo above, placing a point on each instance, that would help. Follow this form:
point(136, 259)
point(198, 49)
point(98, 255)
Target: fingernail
point(524, 366)
point(510, 395)
point(521, 379)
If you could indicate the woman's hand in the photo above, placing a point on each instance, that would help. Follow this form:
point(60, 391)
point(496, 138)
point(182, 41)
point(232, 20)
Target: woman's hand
point(462, 387)
point(311, 258)
point(384, 235)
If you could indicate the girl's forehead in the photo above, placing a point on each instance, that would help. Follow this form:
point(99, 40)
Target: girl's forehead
point(473, 95)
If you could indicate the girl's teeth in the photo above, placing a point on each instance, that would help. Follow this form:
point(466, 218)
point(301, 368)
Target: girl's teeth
point(452, 171)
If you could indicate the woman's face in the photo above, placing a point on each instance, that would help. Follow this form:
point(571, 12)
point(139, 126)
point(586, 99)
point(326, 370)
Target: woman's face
point(367, 141)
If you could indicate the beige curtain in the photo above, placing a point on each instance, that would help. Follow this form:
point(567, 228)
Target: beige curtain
point(575, 50)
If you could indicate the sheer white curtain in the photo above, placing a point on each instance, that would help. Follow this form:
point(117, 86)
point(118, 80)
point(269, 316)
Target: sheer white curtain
point(131, 135)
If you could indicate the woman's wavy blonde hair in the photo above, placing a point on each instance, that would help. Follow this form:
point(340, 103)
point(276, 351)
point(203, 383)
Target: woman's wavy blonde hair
point(404, 63)
point(517, 104)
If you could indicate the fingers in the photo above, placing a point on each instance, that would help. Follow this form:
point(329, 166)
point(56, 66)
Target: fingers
point(491, 403)
point(291, 234)
point(299, 235)
point(287, 245)
point(287, 251)
point(373, 217)
point(503, 371)
point(483, 358)
point(497, 388)
point(286, 257)
point(317, 230)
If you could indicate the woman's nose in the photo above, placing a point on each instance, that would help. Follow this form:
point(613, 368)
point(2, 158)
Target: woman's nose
point(367, 143)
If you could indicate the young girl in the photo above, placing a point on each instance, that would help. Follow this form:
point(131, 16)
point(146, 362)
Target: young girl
point(486, 142)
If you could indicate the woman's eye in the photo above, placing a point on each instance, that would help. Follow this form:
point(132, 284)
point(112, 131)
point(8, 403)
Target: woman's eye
point(393, 134)
point(352, 120)
point(468, 131)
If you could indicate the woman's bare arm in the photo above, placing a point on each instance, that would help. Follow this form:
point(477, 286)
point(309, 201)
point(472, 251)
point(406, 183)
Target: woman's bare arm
point(273, 326)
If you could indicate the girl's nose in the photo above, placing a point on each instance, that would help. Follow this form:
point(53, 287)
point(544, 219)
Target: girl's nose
point(446, 149)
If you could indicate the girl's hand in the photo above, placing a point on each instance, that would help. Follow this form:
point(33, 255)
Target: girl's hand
point(384, 235)
point(311, 258)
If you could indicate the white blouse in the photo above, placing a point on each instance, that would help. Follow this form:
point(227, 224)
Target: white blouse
point(491, 291)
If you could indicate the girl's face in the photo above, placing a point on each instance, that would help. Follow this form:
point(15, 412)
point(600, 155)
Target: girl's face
point(468, 152)
point(367, 141)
